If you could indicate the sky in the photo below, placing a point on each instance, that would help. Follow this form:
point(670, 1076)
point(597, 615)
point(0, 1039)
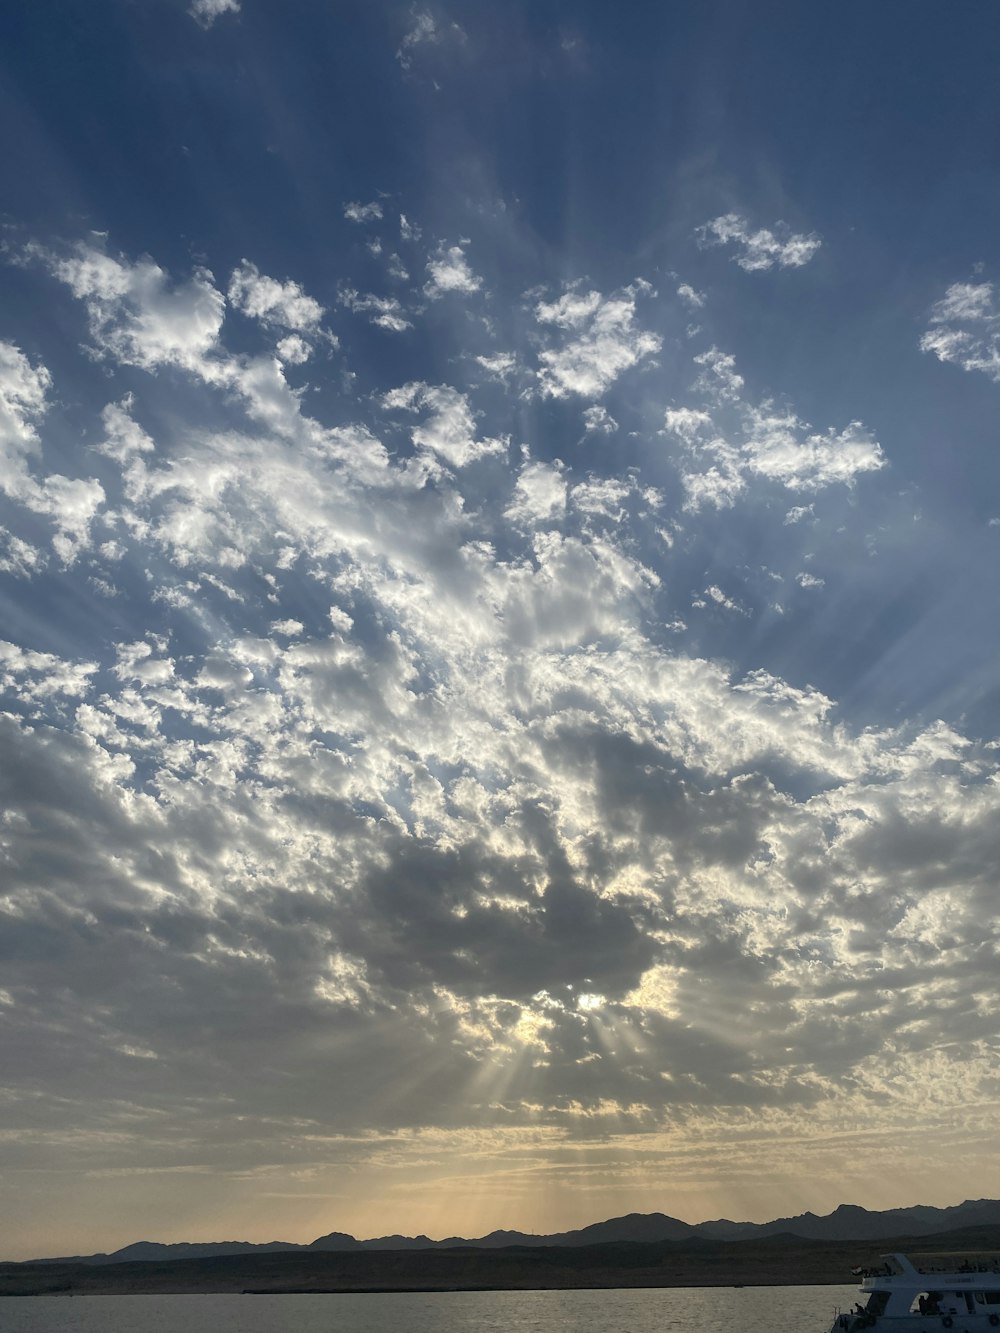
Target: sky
point(499, 523)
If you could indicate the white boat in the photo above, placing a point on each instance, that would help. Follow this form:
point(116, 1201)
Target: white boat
point(945, 1291)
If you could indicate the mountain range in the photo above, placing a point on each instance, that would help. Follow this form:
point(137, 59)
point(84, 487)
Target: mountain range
point(848, 1222)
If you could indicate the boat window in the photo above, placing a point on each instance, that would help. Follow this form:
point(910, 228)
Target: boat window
point(877, 1302)
point(987, 1297)
point(926, 1302)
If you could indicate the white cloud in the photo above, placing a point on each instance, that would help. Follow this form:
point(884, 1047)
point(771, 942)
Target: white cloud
point(124, 439)
point(356, 212)
point(539, 495)
point(687, 422)
point(805, 580)
point(71, 503)
point(571, 311)
point(23, 400)
point(603, 341)
point(597, 420)
point(966, 301)
point(137, 317)
point(273, 303)
point(138, 663)
point(135, 314)
point(18, 557)
point(965, 328)
point(715, 594)
point(712, 470)
point(692, 299)
point(207, 11)
point(449, 430)
point(385, 311)
point(717, 485)
point(34, 676)
point(450, 272)
point(293, 350)
point(778, 447)
point(425, 30)
point(761, 249)
point(605, 496)
point(720, 459)
point(221, 673)
point(499, 366)
point(718, 377)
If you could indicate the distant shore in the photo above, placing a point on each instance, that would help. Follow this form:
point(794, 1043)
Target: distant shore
point(776, 1261)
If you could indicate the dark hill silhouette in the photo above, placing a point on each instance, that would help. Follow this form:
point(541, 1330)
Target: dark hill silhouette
point(335, 1240)
point(777, 1259)
point(643, 1227)
point(848, 1222)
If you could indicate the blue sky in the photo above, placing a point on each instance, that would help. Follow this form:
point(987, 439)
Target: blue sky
point(497, 575)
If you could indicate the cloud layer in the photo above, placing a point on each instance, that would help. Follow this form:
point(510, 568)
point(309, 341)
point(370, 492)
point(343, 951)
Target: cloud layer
point(394, 801)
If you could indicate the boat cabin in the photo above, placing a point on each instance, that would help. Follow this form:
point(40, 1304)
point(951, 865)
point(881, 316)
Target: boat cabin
point(954, 1290)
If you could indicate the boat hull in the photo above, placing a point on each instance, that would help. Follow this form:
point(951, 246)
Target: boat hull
point(916, 1323)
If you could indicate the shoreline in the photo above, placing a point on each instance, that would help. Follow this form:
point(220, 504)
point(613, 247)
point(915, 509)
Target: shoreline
point(418, 1291)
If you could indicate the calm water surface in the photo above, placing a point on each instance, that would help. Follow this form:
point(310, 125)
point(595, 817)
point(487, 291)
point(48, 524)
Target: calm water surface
point(664, 1310)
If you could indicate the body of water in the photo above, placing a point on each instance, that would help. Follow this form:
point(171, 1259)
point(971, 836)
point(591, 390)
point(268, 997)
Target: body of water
point(646, 1310)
